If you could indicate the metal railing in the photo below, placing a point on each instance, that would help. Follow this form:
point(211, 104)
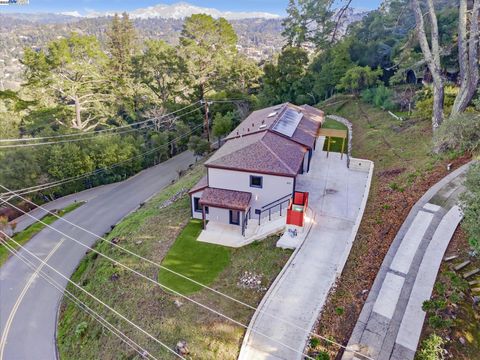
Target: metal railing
point(268, 208)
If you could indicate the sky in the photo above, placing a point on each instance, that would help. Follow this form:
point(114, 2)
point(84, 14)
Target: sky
point(84, 6)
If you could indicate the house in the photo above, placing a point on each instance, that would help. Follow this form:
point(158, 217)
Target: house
point(256, 168)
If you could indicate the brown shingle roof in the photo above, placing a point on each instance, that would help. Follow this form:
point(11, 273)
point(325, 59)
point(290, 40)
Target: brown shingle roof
point(254, 146)
point(267, 153)
point(223, 198)
point(202, 184)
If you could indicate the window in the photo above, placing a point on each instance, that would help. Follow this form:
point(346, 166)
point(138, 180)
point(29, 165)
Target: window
point(234, 217)
point(197, 207)
point(256, 181)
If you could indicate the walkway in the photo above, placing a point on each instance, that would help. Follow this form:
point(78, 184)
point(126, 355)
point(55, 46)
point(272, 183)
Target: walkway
point(391, 321)
point(338, 196)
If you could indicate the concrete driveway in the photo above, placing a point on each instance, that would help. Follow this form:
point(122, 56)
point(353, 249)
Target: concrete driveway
point(28, 320)
point(337, 196)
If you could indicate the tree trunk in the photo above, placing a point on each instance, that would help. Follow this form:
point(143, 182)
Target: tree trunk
point(468, 53)
point(432, 58)
point(78, 118)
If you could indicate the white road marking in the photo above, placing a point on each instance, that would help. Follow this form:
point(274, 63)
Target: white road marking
point(3, 340)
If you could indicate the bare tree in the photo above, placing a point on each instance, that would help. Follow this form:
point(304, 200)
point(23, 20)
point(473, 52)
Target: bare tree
point(468, 55)
point(431, 53)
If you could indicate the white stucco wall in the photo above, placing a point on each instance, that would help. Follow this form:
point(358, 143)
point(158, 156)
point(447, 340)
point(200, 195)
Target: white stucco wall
point(196, 215)
point(274, 187)
point(219, 214)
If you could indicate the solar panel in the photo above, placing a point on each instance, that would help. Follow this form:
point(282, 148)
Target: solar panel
point(288, 122)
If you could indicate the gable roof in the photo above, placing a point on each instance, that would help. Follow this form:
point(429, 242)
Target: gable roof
point(257, 145)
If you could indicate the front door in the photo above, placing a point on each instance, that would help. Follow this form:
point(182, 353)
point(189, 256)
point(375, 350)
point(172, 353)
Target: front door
point(234, 217)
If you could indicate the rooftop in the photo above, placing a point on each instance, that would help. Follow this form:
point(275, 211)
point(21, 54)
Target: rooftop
point(271, 140)
point(223, 198)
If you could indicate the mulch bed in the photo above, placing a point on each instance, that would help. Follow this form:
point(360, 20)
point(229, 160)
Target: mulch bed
point(386, 210)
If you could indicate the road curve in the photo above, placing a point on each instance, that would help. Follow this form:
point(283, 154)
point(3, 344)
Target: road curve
point(28, 304)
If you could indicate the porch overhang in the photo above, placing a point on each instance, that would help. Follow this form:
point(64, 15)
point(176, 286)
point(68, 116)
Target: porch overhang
point(226, 199)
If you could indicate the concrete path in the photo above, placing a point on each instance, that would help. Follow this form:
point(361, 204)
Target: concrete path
point(338, 196)
point(28, 304)
point(391, 321)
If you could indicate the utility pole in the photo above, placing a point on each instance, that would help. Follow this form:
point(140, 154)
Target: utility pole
point(206, 122)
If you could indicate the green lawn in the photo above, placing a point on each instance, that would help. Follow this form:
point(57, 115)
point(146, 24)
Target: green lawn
point(25, 235)
point(197, 260)
point(167, 236)
point(335, 143)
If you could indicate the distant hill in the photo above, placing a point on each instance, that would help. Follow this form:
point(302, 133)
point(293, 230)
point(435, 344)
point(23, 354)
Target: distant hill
point(259, 33)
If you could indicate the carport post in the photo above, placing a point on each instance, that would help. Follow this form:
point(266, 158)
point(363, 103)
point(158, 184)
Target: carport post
point(203, 217)
point(343, 147)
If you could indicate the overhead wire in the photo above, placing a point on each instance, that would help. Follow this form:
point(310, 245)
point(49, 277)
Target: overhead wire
point(93, 296)
point(192, 280)
point(81, 305)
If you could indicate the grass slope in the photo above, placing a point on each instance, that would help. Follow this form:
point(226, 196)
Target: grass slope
point(200, 261)
point(335, 143)
point(24, 236)
point(165, 235)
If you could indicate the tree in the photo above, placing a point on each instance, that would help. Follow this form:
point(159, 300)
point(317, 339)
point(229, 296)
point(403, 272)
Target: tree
point(308, 21)
point(198, 146)
point(284, 81)
point(208, 46)
point(431, 54)
point(122, 45)
point(162, 70)
point(468, 55)
point(222, 125)
point(359, 78)
point(71, 74)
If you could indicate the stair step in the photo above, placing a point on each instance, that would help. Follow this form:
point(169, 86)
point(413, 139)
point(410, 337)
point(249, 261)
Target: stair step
point(462, 265)
point(474, 282)
point(470, 273)
point(450, 258)
point(476, 290)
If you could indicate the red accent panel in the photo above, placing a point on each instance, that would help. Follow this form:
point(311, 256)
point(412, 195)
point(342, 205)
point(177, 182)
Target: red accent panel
point(297, 208)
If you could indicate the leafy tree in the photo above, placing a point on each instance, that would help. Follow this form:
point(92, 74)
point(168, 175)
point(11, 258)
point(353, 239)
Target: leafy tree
point(162, 70)
point(285, 81)
point(359, 78)
point(208, 46)
point(122, 45)
point(222, 125)
point(198, 146)
point(71, 73)
point(471, 207)
point(329, 67)
point(308, 21)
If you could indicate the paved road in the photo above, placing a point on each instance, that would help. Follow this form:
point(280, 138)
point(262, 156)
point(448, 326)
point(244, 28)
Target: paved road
point(337, 196)
point(391, 321)
point(31, 333)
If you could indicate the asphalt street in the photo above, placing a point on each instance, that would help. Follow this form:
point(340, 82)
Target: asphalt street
point(28, 304)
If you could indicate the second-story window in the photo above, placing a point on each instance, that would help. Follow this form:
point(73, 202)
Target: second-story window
point(256, 181)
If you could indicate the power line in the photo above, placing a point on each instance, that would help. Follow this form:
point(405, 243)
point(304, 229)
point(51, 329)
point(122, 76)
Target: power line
point(96, 171)
point(99, 131)
point(206, 307)
point(94, 297)
point(187, 278)
point(81, 305)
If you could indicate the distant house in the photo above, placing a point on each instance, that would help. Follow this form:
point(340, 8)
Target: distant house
point(258, 165)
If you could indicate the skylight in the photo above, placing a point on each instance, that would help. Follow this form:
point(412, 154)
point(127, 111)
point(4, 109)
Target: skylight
point(288, 122)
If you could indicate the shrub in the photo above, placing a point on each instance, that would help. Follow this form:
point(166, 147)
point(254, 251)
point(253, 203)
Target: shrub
point(432, 348)
point(471, 207)
point(339, 310)
point(424, 102)
point(380, 97)
point(314, 342)
point(322, 355)
point(81, 329)
point(459, 133)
